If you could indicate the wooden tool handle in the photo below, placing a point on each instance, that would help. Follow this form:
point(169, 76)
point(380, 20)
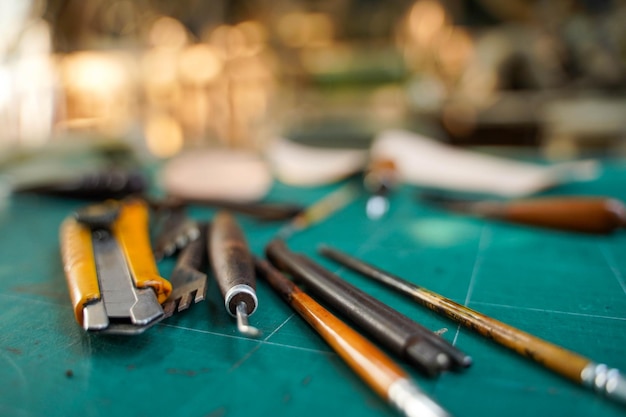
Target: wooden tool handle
point(231, 260)
point(374, 367)
point(378, 370)
point(552, 356)
point(589, 215)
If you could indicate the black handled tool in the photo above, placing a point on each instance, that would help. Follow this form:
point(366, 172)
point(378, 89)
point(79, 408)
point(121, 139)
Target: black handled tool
point(406, 338)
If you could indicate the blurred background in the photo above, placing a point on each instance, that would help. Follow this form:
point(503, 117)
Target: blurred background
point(168, 76)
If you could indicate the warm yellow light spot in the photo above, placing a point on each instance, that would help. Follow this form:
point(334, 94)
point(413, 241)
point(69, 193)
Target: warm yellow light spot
point(168, 32)
point(426, 19)
point(164, 135)
point(306, 29)
point(455, 49)
point(230, 41)
point(159, 67)
point(249, 69)
point(199, 64)
point(250, 101)
point(95, 72)
point(255, 36)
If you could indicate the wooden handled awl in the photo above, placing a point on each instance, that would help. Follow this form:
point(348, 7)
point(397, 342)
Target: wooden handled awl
point(378, 370)
point(579, 214)
point(602, 379)
point(233, 268)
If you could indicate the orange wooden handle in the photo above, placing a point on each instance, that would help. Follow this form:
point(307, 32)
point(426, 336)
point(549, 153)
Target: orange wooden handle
point(369, 362)
point(563, 361)
point(580, 214)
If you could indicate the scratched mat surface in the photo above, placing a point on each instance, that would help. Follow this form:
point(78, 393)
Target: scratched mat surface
point(567, 288)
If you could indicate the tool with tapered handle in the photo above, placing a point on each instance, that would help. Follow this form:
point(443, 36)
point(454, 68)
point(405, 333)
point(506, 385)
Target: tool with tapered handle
point(597, 215)
point(607, 381)
point(378, 370)
point(233, 268)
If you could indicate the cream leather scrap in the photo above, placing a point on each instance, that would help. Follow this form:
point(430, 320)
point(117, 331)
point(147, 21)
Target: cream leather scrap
point(303, 165)
point(426, 162)
point(221, 174)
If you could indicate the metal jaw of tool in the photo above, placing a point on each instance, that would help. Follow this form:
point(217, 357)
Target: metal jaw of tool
point(110, 271)
point(188, 283)
point(123, 308)
point(176, 231)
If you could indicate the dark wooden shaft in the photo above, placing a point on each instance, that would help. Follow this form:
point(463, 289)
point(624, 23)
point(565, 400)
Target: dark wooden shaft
point(458, 358)
point(560, 360)
point(374, 367)
point(397, 332)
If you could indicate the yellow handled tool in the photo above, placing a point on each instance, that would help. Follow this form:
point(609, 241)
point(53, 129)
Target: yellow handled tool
point(112, 277)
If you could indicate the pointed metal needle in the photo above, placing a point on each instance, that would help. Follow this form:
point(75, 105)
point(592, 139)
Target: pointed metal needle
point(242, 321)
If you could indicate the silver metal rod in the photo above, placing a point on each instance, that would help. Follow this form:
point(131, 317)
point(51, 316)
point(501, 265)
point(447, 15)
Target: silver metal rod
point(242, 321)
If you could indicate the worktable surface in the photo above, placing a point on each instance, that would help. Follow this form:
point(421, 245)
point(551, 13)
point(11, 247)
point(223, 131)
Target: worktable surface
point(567, 288)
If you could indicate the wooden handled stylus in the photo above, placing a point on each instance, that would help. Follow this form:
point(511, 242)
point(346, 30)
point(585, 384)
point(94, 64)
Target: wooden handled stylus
point(378, 370)
point(602, 379)
point(598, 215)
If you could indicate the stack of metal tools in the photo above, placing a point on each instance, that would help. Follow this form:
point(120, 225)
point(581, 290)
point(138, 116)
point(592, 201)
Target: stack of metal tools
point(115, 288)
point(112, 274)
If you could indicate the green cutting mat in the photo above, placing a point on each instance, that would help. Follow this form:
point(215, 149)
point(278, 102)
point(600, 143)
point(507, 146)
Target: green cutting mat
point(569, 289)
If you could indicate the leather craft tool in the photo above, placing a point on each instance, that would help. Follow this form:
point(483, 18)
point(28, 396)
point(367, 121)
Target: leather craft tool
point(262, 211)
point(599, 377)
point(110, 270)
point(188, 282)
point(597, 215)
point(108, 183)
point(174, 230)
point(417, 345)
point(319, 210)
point(233, 268)
point(377, 369)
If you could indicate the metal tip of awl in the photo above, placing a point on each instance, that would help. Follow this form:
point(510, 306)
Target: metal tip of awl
point(242, 322)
